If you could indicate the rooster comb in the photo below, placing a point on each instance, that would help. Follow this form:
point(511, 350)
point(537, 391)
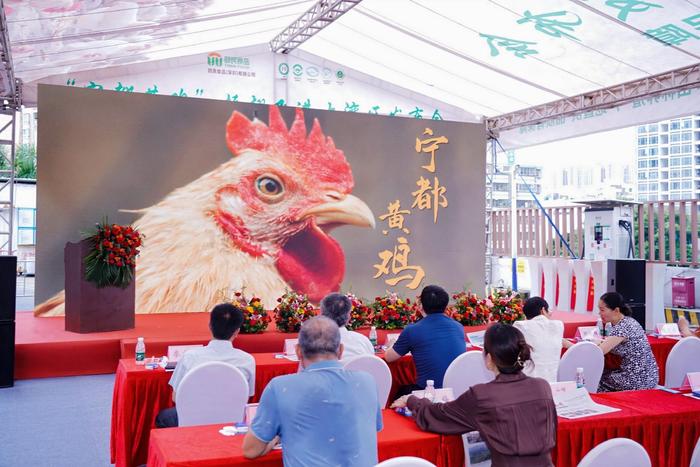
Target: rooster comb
point(316, 151)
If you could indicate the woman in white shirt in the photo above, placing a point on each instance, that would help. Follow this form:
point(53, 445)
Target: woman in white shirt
point(545, 336)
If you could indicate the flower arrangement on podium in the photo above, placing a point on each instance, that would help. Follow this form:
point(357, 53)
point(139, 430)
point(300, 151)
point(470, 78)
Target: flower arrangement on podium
point(506, 306)
point(111, 258)
point(392, 312)
point(359, 314)
point(292, 309)
point(469, 309)
point(255, 317)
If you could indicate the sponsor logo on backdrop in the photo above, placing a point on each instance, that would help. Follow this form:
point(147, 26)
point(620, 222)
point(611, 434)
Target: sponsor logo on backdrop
point(283, 69)
point(229, 65)
point(297, 69)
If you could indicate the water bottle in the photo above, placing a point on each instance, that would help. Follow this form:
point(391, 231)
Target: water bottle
point(608, 329)
point(373, 337)
point(430, 390)
point(601, 328)
point(140, 351)
point(580, 380)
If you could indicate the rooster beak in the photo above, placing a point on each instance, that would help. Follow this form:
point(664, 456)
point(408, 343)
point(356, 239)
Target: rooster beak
point(341, 209)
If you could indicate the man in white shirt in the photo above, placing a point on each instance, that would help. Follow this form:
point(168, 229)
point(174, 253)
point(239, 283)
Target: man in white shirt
point(224, 322)
point(545, 336)
point(338, 307)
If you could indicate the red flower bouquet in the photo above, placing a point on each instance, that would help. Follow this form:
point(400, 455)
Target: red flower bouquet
point(112, 258)
point(506, 306)
point(392, 312)
point(469, 309)
point(255, 317)
point(292, 309)
point(360, 313)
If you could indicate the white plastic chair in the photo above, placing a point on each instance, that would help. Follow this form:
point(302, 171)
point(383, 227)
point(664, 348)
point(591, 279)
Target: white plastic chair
point(684, 358)
point(465, 371)
point(213, 392)
point(379, 370)
point(584, 355)
point(695, 460)
point(405, 461)
point(620, 452)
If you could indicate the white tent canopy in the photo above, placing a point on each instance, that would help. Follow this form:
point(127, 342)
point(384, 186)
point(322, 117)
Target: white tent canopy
point(487, 57)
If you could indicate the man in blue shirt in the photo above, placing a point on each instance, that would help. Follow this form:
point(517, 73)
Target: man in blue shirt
point(435, 341)
point(323, 415)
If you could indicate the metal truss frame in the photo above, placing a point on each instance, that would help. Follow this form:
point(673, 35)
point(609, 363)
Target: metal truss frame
point(316, 18)
point(7, 181)
point(610, 97)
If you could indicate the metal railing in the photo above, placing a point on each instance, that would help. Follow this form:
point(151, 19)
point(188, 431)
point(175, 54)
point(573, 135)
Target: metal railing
point(665, 232)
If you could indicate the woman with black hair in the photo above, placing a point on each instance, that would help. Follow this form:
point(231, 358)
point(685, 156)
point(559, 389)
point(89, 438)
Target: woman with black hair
point(514, 413)
point(631, 364)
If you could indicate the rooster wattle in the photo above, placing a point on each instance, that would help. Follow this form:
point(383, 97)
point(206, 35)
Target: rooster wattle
point(258, 221)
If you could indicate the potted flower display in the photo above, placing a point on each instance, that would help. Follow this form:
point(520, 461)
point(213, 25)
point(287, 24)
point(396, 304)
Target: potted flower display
point(392, 312)
point(469, 310)
point(292, 309)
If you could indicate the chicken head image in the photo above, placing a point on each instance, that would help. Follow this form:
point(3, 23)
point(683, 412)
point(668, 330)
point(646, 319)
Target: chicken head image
point(259, 221)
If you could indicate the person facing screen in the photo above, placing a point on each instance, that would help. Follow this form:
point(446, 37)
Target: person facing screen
point(435, 341)
point(631, 364)
point(545, 335)
point(514, 414)
point(338, 307)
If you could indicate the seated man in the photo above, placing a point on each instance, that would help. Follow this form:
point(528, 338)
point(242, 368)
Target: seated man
point(224, 322)
point(435, 341)
point(324, 415)
point(338, 307)
point(545, 336)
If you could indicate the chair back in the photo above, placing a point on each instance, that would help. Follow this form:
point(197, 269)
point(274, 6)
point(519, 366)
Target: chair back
point(695, 460)
point(683, 359)
point(620, 452)
point(379, 370)
point(213, 392)
point(465, 371)
point(405, 461)
point(584, 355)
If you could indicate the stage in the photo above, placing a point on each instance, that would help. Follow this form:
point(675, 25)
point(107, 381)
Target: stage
point(44, 349)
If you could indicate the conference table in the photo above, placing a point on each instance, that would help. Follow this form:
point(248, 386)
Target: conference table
point(667, 425)
point(139, 394)
point(205, 446)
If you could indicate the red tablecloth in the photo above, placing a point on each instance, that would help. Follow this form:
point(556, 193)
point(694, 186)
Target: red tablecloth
point(204, 446)
point(667, 425)
point(661, 347)
point(139, 395)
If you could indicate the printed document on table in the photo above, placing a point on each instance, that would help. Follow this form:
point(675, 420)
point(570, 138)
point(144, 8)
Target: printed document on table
point(578, 404)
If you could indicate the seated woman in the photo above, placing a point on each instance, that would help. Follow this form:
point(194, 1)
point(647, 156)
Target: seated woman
point(684, 327)
point(628, 344)
point(514, 413)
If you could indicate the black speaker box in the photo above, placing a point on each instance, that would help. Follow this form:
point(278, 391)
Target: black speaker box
point(628, 277)
point(8, 286)
point(7, 354)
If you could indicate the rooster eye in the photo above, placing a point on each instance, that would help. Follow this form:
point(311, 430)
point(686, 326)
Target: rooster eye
point(270, 187)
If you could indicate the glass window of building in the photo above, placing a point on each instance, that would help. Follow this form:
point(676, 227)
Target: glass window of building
point(642, 187)
point(653, 186)
point(686, 148)
point(675, 185)
point(653, 139)
point(687, 136)
point(642, 152)
point(642, 198)
point(642, 164)
point(687, 123)
point(641, 129)
point(675, 137)
point(675, 173)
point(642, 141)
point(675, 161)
point(653, 151)
point(686, 184)
point(652, 163)
point(653, 127)
point(675, 125)
point(687, 160)
point(642, 175)
point(676, 149)
point(687, 173)
point(26, 226)
point(653, 175)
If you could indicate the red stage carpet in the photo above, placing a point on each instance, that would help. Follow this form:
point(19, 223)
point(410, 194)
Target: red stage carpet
point(44, 349)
